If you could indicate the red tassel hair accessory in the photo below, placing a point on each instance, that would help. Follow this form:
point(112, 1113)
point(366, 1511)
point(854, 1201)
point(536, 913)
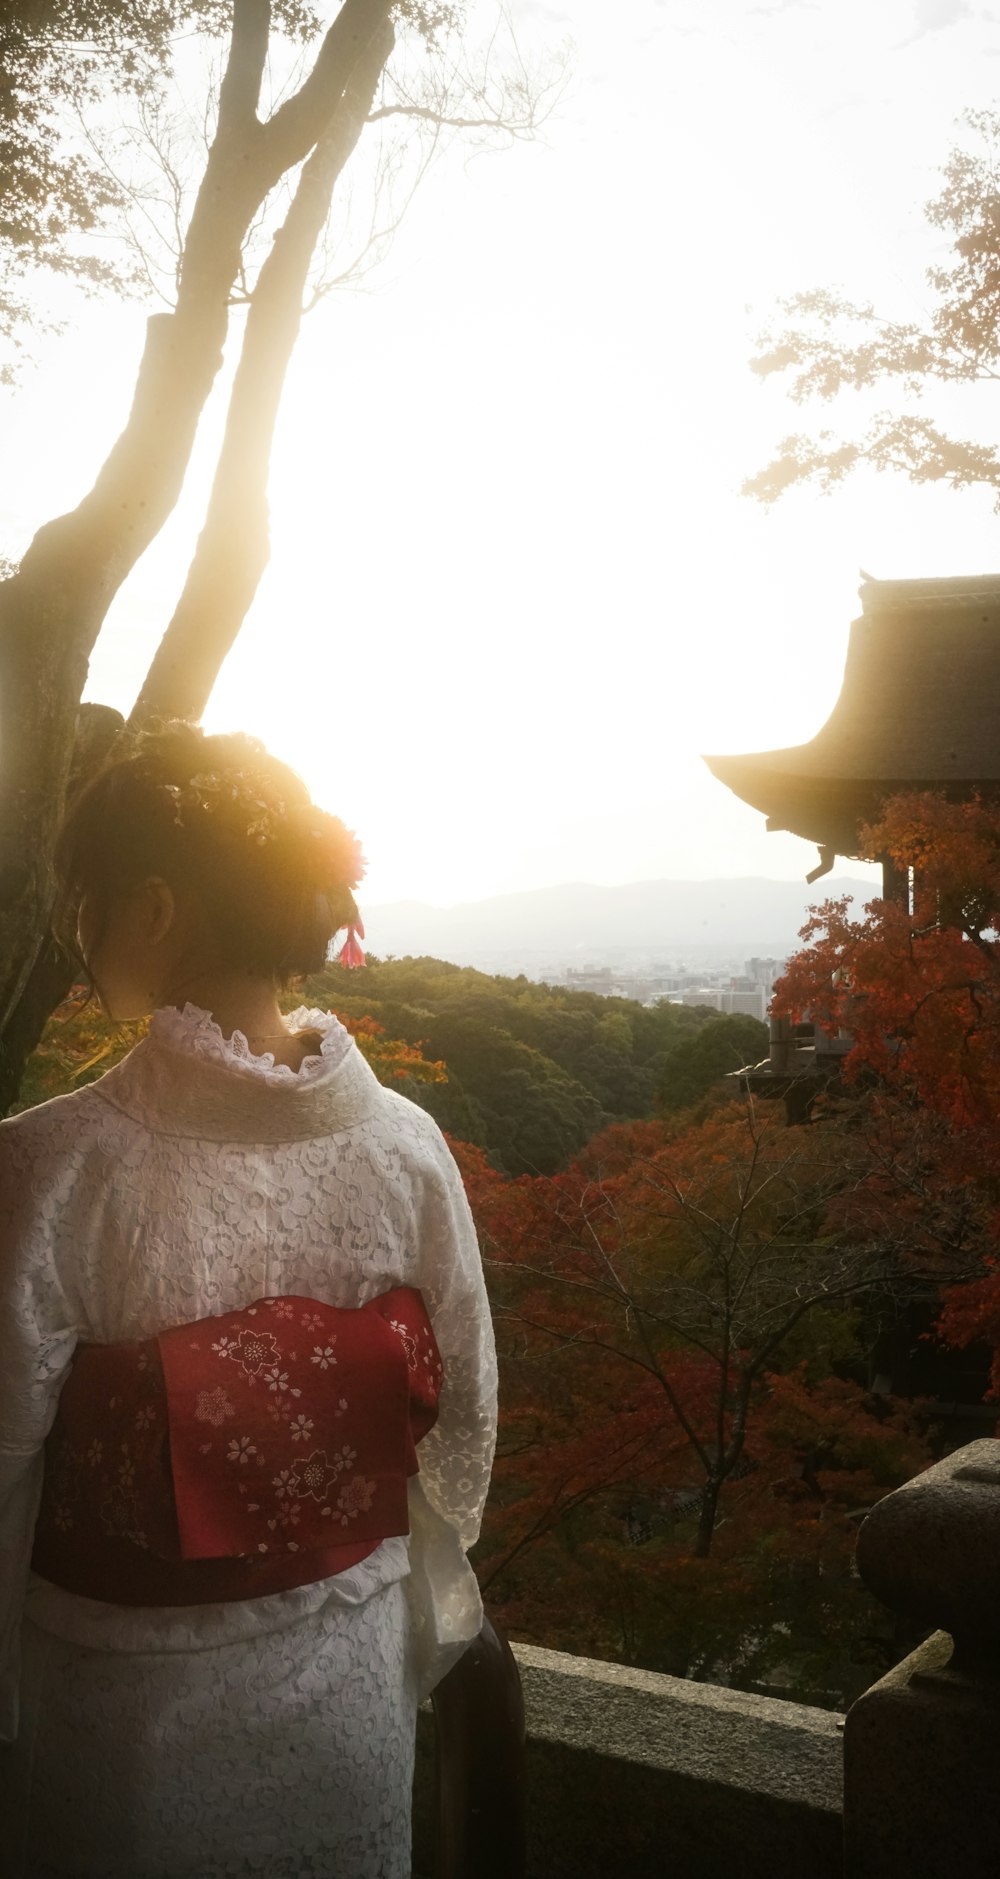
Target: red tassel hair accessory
point(352, 953)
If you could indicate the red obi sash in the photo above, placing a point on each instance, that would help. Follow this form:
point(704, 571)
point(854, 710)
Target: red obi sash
point(237, 1456)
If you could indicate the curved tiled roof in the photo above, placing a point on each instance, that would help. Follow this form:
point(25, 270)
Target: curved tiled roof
point(919, 708)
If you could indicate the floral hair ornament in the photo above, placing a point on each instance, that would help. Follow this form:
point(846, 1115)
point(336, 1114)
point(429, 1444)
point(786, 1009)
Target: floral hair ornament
point(343, 860)
point(346, 863)
point(228, 790)
point(343, 863)
point(263, 815)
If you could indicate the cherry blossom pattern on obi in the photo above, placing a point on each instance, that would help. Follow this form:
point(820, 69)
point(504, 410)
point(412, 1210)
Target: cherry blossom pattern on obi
point(107, 1459)
point(286, 1429)
point(293, 1424)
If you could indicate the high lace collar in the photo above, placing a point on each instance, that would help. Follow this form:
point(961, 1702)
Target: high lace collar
point(195, 1032)
point(186, 1079)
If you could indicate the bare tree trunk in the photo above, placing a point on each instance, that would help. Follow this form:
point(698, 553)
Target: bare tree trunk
point(53, 970)
point(52, 609)
point(728, 1459)
point(233, 548)
point(707, 1518)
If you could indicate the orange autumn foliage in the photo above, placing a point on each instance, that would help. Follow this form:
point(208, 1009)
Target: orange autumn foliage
point(391, 1058)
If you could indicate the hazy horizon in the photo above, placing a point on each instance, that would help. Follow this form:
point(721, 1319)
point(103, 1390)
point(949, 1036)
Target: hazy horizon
point(637, 925)
point(868, 876)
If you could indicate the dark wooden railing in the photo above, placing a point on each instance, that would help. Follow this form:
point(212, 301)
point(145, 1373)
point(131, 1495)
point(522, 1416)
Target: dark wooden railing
point(479, 1765)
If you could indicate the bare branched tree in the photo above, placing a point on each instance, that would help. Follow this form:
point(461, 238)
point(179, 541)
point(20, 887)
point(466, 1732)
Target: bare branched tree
point(489, 96)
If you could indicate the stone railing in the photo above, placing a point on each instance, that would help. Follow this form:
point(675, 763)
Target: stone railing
point(635, 1773)
point(922, 1747)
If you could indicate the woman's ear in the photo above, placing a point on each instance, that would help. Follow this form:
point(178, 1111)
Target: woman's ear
point(159, 909)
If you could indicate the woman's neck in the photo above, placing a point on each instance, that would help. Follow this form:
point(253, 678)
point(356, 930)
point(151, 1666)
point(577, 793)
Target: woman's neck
point(243, 1002)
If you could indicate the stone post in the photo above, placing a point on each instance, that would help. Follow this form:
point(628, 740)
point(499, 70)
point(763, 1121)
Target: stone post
point(922, 1746)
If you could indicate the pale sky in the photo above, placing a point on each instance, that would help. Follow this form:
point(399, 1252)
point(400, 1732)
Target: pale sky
point(514, 591)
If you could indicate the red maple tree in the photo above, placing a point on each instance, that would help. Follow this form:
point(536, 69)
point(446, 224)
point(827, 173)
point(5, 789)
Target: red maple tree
point(675, 1457)
point(916, 986)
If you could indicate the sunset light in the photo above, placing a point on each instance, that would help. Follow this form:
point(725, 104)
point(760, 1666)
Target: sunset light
point(514, 590)
point(499, 939)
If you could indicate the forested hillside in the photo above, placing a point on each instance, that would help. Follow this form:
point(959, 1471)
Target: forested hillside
point(535, 1071)
point(529, 1073)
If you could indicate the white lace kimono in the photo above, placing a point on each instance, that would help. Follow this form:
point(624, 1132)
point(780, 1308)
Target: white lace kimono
point(273, 1735)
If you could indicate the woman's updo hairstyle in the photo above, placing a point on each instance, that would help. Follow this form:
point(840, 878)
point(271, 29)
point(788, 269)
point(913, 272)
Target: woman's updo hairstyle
point(223, 818)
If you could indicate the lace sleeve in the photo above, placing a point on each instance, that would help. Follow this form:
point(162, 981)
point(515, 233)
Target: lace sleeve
point(38, 1334)
point(457, 1456)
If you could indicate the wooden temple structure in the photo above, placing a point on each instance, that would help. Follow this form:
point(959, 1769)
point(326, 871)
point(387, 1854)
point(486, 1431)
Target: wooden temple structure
point(919, 708)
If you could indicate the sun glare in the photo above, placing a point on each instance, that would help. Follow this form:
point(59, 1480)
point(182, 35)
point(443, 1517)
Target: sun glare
point(514, 592)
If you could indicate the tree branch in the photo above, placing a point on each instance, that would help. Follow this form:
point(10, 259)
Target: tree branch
point(239, 94)
point(232, 550)
point(299, 123)
point(447, 122)
point(553, 1515)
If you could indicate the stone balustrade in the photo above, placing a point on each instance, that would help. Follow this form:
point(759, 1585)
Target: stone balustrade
point(922, 1746)
point(635, 1773)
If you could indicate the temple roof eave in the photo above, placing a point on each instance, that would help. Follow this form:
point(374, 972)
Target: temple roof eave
point(918, 709)
point(827, 810)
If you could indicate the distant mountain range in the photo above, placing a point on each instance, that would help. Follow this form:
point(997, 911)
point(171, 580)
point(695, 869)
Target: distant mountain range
point(580, 924)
